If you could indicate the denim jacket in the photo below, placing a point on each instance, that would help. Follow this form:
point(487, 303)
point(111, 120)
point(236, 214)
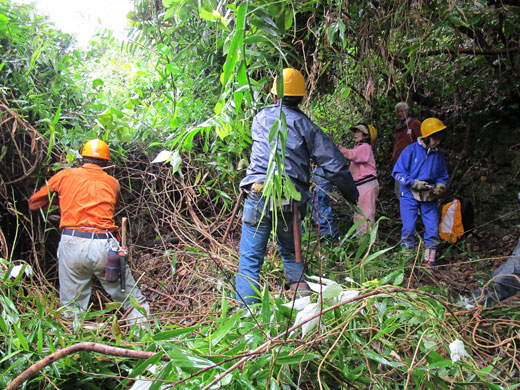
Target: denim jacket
point(305, 140)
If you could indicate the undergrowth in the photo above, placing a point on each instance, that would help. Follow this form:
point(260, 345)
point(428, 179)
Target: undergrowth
point(365, 329)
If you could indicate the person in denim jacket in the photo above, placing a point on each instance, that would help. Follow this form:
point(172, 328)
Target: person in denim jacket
point(304, 141)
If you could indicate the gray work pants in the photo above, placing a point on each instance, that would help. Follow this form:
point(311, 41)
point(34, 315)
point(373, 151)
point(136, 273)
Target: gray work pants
point(80, 259)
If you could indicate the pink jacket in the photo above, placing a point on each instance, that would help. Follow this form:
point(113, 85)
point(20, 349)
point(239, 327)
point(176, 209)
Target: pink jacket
point(362, 160)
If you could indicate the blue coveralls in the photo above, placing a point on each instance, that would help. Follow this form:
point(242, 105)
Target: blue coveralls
point(419, 163)
point(304, 141)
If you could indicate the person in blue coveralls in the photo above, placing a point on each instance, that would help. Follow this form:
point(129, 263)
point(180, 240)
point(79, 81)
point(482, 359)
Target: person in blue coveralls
point(305, 141)
point(421, 171)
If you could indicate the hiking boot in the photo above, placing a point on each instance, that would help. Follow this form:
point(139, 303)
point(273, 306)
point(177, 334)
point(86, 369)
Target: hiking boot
point(429, 258)
point(299, 290)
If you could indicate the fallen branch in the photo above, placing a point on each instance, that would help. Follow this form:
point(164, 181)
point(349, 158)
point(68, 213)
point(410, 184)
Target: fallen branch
point(91, 347)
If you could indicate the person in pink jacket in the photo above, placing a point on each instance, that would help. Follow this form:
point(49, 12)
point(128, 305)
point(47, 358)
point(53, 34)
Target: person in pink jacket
point(363, 170)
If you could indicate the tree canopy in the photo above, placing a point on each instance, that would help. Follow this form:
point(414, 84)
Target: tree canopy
point(188, 80)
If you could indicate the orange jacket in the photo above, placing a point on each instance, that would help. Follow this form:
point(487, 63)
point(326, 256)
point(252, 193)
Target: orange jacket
point(87, 197)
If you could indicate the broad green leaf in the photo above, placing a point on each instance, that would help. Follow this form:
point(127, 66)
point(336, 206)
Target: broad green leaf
point(39, 340)
point(223, 130)
point(332, 32)
point(266, 305)
point(186, 361)
point(273, 132)
point(142, 365)
point(332, 291)
point(172, 334)
point(224, 330)
point(170, 3)
point(164, 374)
point(137, 305)
point(376, 255)
point(204, 14)
point(457, 21)
point(113, 305)
point(242, 76)
point(57, 115)
point(257, 38)
point(266, 27)
point(21, 338)
point(386, 330)
point(97, 83)
point(290, 191)
point(236, 42)
point(176, 161)
point(380, 359)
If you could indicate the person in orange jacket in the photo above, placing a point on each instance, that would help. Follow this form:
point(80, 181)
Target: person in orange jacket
point(87, 200)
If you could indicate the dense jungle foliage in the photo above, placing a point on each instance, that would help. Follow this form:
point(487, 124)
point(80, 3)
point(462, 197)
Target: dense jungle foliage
point(188, 80)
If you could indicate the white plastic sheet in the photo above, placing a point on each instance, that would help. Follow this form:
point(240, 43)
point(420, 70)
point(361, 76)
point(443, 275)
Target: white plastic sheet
point(457, 351)
point(15, 271)
point(164, 155)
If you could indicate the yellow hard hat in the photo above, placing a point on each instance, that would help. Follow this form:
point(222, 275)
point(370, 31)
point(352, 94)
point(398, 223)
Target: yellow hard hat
point(293, 83)
point(431, 126)
point(369, 130)
point(373, 133)
point(96, 148)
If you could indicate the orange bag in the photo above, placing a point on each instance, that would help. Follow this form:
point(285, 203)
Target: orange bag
point(451, 228)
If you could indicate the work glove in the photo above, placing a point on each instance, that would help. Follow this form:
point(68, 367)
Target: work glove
point(420, 185)
point(439, 190)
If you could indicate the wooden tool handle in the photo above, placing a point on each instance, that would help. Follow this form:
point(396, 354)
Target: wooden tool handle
point(297, 233)
point(123, 232)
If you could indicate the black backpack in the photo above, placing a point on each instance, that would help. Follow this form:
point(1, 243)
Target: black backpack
point(468, 214)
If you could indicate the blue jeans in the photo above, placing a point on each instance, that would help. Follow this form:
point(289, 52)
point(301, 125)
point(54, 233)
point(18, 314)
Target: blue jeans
point(253, 247)
point(320, 207)
point(430, 216)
